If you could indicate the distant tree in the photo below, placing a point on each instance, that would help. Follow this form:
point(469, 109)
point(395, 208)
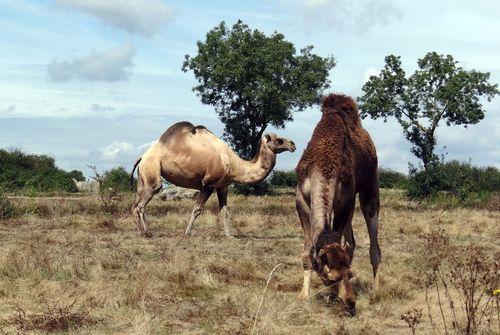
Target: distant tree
point(20, 171)
point(459, 179)
point(254, 81)
point(117, 179)
point(439, 90)
point(281, 178)
point(77, 175)
point(391, 179)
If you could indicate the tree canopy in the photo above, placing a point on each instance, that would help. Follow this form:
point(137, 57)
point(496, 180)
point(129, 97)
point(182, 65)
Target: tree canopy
point(254, 81)
point(439, 90)
point(35, 173)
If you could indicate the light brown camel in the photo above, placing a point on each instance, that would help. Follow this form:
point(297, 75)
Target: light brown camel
point(193, 157)
point(339, 162)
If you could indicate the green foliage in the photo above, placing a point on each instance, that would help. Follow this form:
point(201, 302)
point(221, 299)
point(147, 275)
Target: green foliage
point(109, 185)
point(32, 173)
point(466, 183)
point(388, 178)
point(254, 80)
point(262, 188)
point(7, 210)
point(117, 179)
point(438, 90)
point(77, 175)
point(283, 179)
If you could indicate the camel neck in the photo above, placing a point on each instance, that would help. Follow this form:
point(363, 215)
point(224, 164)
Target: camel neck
point(256, 170)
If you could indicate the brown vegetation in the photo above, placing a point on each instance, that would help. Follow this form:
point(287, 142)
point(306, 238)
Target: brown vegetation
point(62, 248)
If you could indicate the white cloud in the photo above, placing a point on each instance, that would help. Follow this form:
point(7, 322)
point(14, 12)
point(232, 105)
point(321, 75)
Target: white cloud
point(108, 66)
point(120, 151)
point(111, 152)
point(371, 71)
point(357, 16)
point(101, 108)
point(8, 110)
point(313, 4)
point(144, 17)
point(146, 145)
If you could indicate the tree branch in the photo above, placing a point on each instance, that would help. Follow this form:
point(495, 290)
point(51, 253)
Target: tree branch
point(415, 122)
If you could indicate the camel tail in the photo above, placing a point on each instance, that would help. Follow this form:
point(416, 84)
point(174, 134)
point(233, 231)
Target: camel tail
point(131, 181)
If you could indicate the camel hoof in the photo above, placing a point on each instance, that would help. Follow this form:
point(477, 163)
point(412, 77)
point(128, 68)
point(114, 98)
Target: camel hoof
point(303, 296)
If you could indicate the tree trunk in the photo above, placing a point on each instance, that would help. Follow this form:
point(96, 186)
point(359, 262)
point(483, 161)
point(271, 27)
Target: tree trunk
point(428, 148)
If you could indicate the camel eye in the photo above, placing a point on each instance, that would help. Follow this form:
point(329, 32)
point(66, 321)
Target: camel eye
point(280, 141)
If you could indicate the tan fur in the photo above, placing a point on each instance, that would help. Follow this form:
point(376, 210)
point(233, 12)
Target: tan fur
point(193, 157)
point(339, 162)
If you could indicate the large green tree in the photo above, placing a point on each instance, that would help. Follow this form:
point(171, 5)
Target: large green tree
point(438, 91)
point(254, 80)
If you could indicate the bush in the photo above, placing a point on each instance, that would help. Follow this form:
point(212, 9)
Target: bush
point(77, 175)
point(283, 179)
point(467, 183)
point(117, 179)
point(262, 188)
point(391, 179)
point(51, 180)
point(7, 210)
point(32, 173)
point(465, 276)
point(109, 184)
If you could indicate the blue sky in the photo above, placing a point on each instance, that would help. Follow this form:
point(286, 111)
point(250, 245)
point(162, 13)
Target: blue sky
point(95, 82)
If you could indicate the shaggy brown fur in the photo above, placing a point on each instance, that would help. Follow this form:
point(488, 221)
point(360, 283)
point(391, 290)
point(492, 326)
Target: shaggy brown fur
point(338, 133)
point(339, 162)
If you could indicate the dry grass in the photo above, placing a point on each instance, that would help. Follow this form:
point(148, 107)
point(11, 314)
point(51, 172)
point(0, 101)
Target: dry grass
point(205, 284)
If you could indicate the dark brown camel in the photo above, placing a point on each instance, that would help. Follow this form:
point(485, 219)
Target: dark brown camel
point(339, 162)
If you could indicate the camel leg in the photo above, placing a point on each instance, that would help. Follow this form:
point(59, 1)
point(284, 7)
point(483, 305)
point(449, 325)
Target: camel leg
point(224, 213)
point(138, 196)
point(306, 286)
point(349, 234)
point(205, 193)
point(370, 205)
point(146, 195)
point(307, 262)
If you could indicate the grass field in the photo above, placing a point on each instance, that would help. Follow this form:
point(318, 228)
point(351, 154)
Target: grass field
point(66, 267)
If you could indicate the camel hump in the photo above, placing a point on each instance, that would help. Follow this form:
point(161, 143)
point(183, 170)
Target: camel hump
point(199, 127)
point(338, 101)
point(175, 130)
point(342, 105)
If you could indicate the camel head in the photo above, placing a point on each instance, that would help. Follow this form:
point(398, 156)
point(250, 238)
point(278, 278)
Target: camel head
point(334, 269)
point(278, 144)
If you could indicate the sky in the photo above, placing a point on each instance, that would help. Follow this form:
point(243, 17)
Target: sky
point(96, 82)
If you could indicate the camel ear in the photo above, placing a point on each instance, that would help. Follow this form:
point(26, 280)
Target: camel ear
point(268, 137)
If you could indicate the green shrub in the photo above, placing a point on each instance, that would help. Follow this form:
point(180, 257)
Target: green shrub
point(77, 175)
point(32, 173)
point(51, 180)
point(262, 188)
point(283, 179)
point(7, 210)
point(391, 179)
point(470, 185)
point(117, 179)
